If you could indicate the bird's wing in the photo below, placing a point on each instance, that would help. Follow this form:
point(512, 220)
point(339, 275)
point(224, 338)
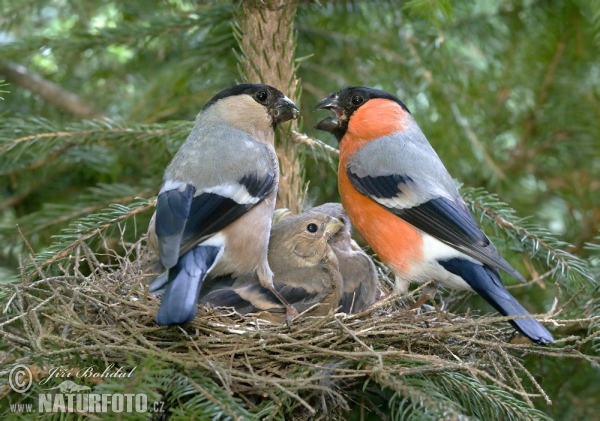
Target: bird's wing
point(360, 282)
point(244, 293)
point(303, 287)
point(417, 191)
point(190, 210)
point(298, 286)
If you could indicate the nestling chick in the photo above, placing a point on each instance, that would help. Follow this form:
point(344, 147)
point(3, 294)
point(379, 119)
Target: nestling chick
point(360, 281)
point(213, 213)
point(305, 271)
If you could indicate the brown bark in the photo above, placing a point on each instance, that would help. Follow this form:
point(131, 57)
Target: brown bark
point(267, 44)
point(51, 92)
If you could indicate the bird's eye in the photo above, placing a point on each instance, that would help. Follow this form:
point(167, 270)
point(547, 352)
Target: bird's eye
point(262, 96)
point(357, 100)
point(312, 228)
point(342, 220)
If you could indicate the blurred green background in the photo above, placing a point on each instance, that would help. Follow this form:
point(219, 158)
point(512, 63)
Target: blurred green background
point(507, 92)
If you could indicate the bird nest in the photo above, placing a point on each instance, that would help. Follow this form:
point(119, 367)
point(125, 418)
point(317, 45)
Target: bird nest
point(97, 306)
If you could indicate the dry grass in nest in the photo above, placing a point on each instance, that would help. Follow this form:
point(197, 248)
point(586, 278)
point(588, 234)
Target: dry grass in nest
point(104, 310)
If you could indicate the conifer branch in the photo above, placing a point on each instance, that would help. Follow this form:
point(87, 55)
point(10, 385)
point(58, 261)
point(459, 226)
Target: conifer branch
point(531, 122)
point(595, 6)
point(49, 91)
point(313, 143)
point(531, 236)
point(43, 141)
point(214, 18)
point(85, 229)
point(96, 199)
point(87, 302)
point(474, 139)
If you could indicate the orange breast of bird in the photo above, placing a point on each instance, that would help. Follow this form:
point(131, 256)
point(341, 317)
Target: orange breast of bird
point(397, 243)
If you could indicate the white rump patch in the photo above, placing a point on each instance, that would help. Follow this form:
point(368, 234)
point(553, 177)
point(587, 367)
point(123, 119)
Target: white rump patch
point(216, 240)
point(436, 250)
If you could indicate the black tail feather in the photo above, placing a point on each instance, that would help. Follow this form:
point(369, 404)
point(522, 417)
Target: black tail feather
point(486, 282)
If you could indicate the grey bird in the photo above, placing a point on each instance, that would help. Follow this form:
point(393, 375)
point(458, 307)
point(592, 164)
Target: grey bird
point(213, 212)
point(305, 271)
point(360, 281)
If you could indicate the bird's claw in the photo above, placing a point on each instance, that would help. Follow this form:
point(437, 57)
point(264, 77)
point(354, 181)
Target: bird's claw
point(290, 314)
point(420, 301)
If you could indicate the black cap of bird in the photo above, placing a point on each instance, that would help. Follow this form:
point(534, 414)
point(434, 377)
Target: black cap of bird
point(401, 199)
point(305, 271)
point(213, 212)
point(360, 281)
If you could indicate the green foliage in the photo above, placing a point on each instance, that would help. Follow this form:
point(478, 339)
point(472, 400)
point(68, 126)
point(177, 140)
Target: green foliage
point(455, 396)
point(526, 237)
point(595, 12)
point(437, 12)
point(38, 137)
point(507, 91)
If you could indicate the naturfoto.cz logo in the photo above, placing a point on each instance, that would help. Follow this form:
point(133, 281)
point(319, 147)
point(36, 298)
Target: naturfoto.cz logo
point(69, 396)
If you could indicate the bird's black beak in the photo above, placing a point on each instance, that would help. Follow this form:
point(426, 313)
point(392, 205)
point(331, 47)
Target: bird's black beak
point(332, 104)
point(284, 110)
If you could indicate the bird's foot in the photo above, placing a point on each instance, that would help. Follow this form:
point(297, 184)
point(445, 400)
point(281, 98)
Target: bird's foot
point(420, 301)
point(290, 314)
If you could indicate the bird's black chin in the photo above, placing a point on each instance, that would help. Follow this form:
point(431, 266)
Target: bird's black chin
point(336, 124)
point(333, 125)
point(330, 124)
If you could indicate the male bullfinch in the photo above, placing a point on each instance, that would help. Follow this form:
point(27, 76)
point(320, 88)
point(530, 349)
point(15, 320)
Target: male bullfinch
point(305, 271)
point(213, 212)
point(359, 277)
point(402, 200)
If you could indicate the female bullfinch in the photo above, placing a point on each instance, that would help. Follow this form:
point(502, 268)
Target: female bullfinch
point(214, 209)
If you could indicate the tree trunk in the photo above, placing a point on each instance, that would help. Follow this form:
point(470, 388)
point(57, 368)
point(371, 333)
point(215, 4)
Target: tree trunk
point(266, 38)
